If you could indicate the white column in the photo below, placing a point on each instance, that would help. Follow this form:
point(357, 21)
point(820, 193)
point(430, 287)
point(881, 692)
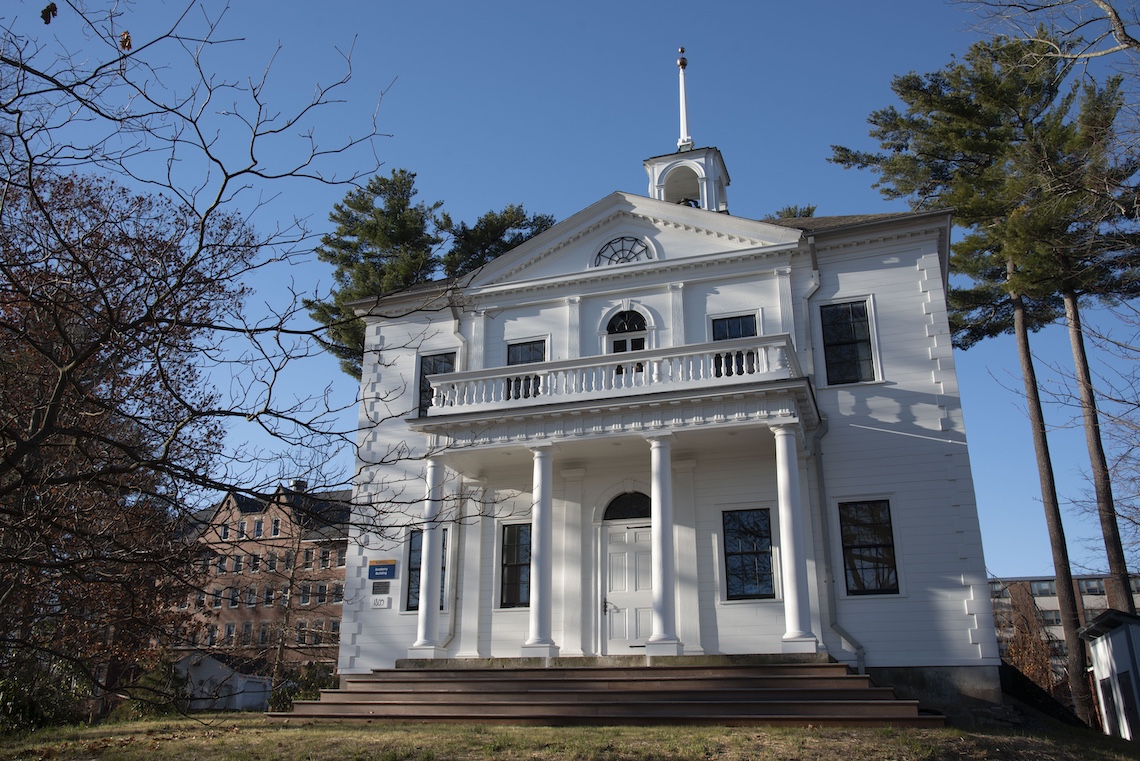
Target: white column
point(574, 567)
point(540, 643)
point(663, 640)
point(431, 557)
point(798, 636)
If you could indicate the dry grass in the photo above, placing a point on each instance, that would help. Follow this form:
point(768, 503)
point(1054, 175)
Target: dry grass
point(250, 737)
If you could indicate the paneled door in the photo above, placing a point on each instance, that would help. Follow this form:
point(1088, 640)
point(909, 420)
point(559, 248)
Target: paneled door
point(627, 608)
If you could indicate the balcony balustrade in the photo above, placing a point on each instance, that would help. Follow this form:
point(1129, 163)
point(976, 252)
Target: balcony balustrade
point(708, 367)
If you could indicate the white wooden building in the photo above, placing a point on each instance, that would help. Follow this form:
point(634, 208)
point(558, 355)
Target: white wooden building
point(661, 428)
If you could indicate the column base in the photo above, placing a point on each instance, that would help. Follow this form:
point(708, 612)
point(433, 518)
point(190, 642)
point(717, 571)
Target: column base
point(540, 651)
point(666, 647)
point(806, 644)
point(427, 651)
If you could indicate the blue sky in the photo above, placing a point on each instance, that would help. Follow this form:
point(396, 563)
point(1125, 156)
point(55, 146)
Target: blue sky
point(555, 105)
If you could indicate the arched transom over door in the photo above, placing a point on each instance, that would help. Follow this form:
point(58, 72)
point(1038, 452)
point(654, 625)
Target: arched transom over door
point(627, 565)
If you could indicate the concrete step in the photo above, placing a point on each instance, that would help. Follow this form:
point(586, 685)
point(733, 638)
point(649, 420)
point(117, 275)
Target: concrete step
point(549, 681)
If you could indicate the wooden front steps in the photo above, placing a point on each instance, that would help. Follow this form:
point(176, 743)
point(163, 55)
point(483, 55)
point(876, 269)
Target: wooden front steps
point(690, 690)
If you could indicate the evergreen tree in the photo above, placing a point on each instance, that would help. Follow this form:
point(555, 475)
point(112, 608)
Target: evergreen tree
point(1029, 167)
point(385, 241)
point(792, 212)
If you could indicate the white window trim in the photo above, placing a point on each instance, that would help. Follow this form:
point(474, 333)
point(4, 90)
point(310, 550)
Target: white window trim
point(450, 559)
point(651, 325)
point(820, 355)
point(719, 572)
point(497, 597)
point(837, 546)
point(758, 313)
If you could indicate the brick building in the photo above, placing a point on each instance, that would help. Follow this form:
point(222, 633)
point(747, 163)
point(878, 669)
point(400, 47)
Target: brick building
point(271, 578)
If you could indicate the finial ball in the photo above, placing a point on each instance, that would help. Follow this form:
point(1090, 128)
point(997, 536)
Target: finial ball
point(682, 62)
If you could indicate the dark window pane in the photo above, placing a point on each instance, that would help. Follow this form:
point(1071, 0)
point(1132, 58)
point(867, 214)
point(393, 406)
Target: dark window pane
point(515, 591)
point(430, 365)
point(631, 505)
point(626, 322)
point(868, 547)
point(748, 554)
point(525, 353)
point(847, 343)
point(415, 563)
point(726, 328)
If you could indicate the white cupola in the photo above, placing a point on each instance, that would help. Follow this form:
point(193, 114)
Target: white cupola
point(691, 176)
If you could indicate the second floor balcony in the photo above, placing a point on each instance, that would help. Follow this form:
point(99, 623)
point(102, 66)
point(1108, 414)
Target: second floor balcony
point(702, 370)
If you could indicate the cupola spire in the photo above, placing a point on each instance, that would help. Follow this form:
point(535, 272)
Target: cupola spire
point(685, 141)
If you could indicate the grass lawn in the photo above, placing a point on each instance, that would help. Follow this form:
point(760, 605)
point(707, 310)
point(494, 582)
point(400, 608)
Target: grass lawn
point(250, 737)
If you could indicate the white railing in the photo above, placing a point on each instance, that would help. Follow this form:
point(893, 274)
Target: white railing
point(616, 376)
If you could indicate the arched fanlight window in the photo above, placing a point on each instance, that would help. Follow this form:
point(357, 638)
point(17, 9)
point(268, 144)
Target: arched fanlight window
point(628, 321)
point(621, 250)
point(631, 505)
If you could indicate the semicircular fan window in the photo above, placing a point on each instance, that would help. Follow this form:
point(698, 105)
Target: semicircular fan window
point(622, 250)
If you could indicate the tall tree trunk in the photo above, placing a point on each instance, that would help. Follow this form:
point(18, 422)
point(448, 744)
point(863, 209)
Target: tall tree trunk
point(1066, 595)
point(1117, 585)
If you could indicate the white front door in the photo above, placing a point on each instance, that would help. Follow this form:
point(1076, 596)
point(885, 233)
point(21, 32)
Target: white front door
point(627, 608)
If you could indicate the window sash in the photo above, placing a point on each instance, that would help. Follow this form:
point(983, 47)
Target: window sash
point(514, 589)
point(415, 569)
point(748, 554)
point(739, 326)
point(868, 547)
point(432, 364)
point(847, 347)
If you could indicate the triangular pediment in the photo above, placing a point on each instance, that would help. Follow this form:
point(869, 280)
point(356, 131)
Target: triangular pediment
point(624, 232)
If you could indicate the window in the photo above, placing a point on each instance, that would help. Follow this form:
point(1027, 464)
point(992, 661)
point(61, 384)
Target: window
point(999, 590)
point(432, 364)
point(415, 560)
point(255, 562)
point(515, 583)
point(225, 531)
point(211, 635)
point(216, 597)
point(528, 352)
point(847, 343)
point(258, 529)
point(235, 597)
point(326, 558)
point(230, 630)
point(241, 529)
point(1045, 588)
point(1051, 617)
point(338, 593)
point(251, 596)
point(868, 547)
point(308, 566)
point(302, 632)
point(263, 633)
point(201, 598)
point(221, 564)
point(276, 530)
point(322, 594)
point(748, 554)
point(727, 328)
point(631, 505)
point(318, 632)
point(334, 630)
point(734, 362)
point(306, 593)
point(289, 561)
point(621, 250)
point(239, 562)
point(267, 597)
point(626, 332)
point(1091, 586)
point(341, 556)
point(247, 633)
point(271, 562)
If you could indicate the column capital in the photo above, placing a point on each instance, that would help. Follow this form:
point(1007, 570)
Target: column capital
point(541, 448)
point(658, 438)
